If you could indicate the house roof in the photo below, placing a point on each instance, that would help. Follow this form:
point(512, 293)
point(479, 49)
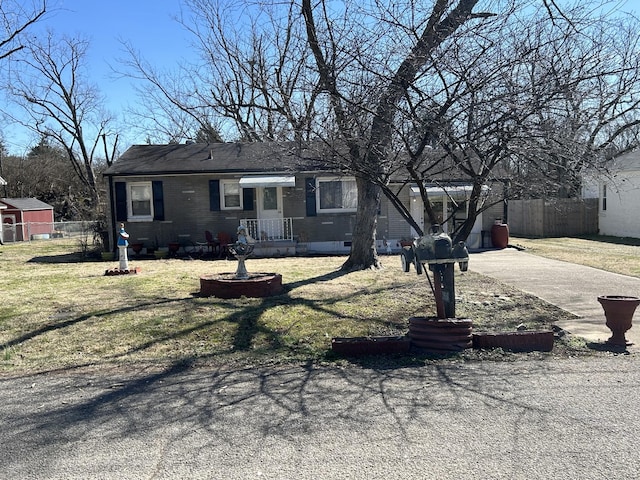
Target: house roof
point(627, 162)
point(268, 159)
point(26, 204)
point(259, 157)
point(2, 181)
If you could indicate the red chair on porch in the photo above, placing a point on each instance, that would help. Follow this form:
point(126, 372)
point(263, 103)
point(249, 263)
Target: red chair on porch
point(224, 239)
point(212, 244)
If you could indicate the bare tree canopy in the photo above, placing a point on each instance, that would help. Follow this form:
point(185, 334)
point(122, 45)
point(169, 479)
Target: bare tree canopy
point(51, 84)
point(16, 17)
point(526, 101)
point(46, 174)
point(515, 85)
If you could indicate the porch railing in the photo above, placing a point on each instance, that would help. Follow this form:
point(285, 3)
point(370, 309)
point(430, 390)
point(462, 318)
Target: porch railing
point(269, 229)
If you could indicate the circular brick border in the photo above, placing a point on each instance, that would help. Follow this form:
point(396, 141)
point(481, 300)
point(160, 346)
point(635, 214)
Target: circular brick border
point(258, 285)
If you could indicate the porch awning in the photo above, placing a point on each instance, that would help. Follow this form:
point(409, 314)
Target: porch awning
point(268, 181)
point(453, 191)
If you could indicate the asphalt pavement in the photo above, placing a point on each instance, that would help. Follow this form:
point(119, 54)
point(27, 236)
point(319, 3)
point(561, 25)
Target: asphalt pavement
point(574, 288)
point(535, 419)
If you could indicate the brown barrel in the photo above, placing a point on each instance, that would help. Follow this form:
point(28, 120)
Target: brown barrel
point(500, 235)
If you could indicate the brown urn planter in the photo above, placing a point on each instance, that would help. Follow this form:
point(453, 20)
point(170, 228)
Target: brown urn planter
point(618, 311)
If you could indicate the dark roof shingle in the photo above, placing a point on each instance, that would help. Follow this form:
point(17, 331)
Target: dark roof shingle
point(207, 158)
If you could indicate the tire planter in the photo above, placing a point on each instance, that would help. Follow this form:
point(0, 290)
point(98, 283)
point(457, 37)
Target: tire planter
point(541, 341)
point(441, 335)
point(357, 346)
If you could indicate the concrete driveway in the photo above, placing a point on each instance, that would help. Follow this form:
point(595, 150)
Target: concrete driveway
point(572, 287)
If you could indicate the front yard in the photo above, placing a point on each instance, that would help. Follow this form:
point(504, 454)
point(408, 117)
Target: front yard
point(60, 311)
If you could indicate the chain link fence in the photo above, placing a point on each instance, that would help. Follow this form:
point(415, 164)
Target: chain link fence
point(84, 232)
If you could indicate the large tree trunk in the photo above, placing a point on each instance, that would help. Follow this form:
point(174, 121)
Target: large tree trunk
point(363, 245)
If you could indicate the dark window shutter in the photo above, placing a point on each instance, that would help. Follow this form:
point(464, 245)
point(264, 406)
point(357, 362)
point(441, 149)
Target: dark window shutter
point(121, 201)
point(214, 195)
point(247, 199)
point(310, 192)
point(158, 200)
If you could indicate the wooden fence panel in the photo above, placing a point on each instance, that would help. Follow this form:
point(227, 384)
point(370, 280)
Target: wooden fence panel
point(561, 217)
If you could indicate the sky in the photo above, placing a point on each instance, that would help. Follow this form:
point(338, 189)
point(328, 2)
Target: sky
point(149, 25)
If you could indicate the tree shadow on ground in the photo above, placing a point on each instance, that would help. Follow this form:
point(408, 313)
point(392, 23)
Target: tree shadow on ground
point(73, 257)
point(210, 409)
point(310, 281)
point(58, 325)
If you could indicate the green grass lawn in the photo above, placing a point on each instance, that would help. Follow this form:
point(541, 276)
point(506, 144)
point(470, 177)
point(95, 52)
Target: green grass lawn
point(59, 310)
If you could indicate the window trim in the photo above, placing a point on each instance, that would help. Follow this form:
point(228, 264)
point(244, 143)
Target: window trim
point(139, 218)
point(319, 209)
point(223, 203)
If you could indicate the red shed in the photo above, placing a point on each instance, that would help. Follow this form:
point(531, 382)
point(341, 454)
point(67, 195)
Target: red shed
point(26, 218)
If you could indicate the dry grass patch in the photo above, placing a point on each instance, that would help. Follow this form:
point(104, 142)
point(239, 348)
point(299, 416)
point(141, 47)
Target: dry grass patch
point(60, 311)
point(618, 255)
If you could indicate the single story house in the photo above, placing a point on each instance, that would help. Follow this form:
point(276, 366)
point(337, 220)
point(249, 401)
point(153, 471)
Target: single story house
point(619, 197)
point(25, 219)
point(291, 200)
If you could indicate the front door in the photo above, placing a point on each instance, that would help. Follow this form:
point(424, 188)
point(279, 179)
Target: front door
point(417, 212)
point(270, 213)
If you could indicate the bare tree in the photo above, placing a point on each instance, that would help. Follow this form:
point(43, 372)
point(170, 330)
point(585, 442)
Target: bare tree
point(592, 115)
point(51, 84)
point(548, 97)
point(16, 17)
point(46, 174)
point(398, 60)
point(255, 79)
point(381, 80)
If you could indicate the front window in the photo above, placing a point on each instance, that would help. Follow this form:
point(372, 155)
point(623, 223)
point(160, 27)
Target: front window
point(337, 195)
point(231, 195)
point(140, 201)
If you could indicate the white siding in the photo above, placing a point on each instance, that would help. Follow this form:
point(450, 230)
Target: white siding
point(622, 215)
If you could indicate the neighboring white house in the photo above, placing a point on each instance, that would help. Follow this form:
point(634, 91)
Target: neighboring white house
point(619, 198)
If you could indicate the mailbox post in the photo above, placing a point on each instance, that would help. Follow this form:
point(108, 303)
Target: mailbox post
point(439, 255)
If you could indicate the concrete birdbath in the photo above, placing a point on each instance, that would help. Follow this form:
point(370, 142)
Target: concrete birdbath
point(241, 283)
